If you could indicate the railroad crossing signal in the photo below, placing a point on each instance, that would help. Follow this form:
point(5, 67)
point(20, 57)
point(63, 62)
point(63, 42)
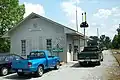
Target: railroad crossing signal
point(84, 25)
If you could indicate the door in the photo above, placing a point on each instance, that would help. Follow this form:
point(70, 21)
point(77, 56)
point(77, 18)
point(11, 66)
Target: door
point(75, 53)
point(51, 60)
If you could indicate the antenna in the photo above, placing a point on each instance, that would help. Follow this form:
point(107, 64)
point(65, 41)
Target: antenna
point(98, 32)
point(76, 17)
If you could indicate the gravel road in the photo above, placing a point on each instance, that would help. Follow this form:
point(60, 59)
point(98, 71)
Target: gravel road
point(72, 71)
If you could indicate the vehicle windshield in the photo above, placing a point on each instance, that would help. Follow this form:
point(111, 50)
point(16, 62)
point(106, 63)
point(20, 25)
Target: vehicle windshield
point(90, 49)
point(37, 54)
point(2, 58)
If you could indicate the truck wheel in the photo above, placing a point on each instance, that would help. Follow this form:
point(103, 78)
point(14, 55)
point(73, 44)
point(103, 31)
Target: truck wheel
point(4, 71)
point(57, 66)
point(102, 59)
point(98, 63)
point(80, 63)
point(40, 71)
point(20, 73)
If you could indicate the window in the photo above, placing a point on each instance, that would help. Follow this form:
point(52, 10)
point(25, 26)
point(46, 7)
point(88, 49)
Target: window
point(38, 54)
point(2, 58)
point(49, 44)
point(70, 48)
point(17, 57)
point(49, 54)
point(9, 58)
point(23, 47)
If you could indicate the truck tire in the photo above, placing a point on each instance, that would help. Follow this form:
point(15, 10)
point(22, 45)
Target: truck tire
point(80, 63)
point(98, 63)
point(57, 66)
point(102, 59)
point(20, 73)
point(4, 71)
point(40, 71)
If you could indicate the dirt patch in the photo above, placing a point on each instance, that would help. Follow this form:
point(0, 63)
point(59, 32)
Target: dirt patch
point(117, 56)
point(113, 72)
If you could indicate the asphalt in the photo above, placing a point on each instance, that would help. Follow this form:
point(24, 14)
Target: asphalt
point(73, 71)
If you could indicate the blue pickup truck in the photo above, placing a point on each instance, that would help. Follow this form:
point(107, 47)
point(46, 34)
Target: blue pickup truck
point(37, 61)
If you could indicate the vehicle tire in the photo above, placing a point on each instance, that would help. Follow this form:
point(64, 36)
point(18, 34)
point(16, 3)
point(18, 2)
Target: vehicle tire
point(40, 71)
point(80, 63)
point(102, 59)
point(20, 73)
point(4, 71)
point(57, 66)
point(98, 63)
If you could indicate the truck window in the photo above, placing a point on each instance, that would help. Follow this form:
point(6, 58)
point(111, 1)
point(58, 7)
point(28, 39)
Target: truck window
point(90, 49)
point(49, 54)
point(38, 54)
point(2, 58)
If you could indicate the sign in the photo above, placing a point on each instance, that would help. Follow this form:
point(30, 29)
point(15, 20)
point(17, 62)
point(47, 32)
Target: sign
point(57, 50)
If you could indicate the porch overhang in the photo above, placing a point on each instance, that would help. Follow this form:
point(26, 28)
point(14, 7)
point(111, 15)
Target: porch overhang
point(77, 35)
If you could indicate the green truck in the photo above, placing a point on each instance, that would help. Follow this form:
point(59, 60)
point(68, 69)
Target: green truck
point(92, 55)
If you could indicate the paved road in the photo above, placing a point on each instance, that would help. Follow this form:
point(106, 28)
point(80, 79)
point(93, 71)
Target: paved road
point(72, 71)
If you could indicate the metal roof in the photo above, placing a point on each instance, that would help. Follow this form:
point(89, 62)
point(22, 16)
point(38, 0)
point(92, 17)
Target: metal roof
point(36, 15)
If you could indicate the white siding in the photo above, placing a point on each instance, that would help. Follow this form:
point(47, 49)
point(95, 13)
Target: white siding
point(36, 36)
point(69, 55)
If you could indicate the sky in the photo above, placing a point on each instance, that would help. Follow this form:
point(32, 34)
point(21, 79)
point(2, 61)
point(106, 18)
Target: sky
point(101, 14)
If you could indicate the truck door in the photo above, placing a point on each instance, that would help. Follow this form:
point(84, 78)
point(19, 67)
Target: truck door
point(51, 60)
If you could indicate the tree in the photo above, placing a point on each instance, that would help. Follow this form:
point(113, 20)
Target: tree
point(105, 41)
point(116, 39)
point(93, 40)
point(115, 42)
point(10, 14)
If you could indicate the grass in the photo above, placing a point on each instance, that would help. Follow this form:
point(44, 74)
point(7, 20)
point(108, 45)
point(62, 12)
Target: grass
point(113, 73)
point(116, 54)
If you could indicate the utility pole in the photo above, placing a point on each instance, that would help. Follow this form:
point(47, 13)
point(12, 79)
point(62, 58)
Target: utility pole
point(98, 37)
point(84, 31)
point(84, 25)
point(76, 17)
point(98, 32)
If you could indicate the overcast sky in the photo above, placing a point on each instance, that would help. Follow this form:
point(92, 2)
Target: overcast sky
point(102, 14)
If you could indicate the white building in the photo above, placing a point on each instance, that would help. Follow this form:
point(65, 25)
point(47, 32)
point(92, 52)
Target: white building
point(39, 33)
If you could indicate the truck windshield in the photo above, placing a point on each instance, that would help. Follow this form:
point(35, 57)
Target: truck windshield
point(2, 58)
point(37, 54)
point(90, 49)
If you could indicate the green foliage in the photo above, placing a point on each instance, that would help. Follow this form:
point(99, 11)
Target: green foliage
point(115, 42)
point(10, 14)
point(93, 41)
point(103, 41)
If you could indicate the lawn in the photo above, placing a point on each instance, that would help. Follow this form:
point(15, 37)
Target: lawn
point(116, 54)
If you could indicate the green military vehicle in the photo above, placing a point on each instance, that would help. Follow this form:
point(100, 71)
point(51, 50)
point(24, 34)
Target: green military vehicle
point(90, 54)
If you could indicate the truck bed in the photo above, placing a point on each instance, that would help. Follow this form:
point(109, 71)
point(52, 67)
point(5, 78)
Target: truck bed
point(23, 64)
point(90, 55)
